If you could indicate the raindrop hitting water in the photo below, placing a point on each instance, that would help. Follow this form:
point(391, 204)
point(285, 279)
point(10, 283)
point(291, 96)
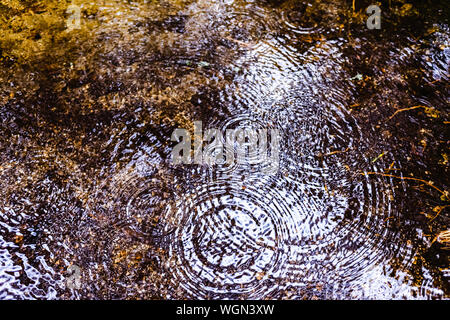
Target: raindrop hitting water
point(313, 226)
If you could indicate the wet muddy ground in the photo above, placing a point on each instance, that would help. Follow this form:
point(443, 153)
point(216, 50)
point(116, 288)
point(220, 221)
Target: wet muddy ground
point(92, 207)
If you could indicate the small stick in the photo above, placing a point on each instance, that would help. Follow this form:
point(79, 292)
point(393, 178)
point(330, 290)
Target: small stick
point(406, 178)
point(405, 109)
point(336, 152)
point(441, 208)
point(242, 43)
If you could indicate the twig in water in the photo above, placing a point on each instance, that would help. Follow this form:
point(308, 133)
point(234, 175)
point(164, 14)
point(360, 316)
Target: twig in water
point(439, 211)
point(241, 43)
point(406, 178)
point(336, 152)
point(404, 109)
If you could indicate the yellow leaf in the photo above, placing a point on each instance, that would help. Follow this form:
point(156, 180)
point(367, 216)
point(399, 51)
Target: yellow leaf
point(431, 112)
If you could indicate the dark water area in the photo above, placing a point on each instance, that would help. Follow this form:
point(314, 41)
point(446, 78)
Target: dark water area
point(356, 207)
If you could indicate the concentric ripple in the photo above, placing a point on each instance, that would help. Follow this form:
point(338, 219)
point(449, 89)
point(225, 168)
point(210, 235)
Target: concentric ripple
point(139, 193)
point(292, 19)
point(230, 246)
point(244, 142)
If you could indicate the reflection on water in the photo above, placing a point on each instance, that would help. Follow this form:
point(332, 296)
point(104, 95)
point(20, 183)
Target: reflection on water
point(87, 178)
